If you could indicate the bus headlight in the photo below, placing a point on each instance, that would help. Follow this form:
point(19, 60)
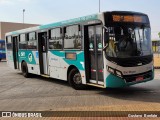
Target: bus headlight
point(111, 70)
point(115, 72)
point(118, 73)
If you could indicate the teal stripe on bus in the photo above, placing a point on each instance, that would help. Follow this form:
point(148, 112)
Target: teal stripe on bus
point(79, 62)
point(26, 55)
point(71, 21)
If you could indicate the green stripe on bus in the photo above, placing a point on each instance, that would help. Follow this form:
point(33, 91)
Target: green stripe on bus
point(114, 81)
point(26, 56)
point(79, 62)
point(71, 21)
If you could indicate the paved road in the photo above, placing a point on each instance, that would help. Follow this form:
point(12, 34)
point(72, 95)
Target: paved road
point(41, 94)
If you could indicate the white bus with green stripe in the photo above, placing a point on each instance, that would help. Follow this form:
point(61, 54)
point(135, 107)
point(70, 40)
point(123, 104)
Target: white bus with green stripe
point(109, 49)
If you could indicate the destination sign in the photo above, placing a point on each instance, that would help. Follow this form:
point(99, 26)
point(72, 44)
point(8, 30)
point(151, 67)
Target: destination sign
point(129, 18)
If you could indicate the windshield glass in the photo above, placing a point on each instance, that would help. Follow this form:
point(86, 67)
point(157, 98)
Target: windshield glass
point(128, 41)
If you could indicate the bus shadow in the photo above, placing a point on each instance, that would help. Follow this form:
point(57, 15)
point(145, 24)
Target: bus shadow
point(52, 80)
point(58, 81)
point(133, 93)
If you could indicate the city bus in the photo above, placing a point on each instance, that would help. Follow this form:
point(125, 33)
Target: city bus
point(106, 50)
point(2, 50)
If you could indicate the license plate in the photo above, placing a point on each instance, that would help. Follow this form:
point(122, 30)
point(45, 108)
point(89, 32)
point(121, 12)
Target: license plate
point(139, 78)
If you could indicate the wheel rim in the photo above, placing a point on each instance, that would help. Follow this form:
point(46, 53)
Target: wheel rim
point(77, 78)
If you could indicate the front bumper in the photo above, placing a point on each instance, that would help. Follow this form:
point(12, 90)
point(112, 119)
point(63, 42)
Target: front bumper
point(113, 81)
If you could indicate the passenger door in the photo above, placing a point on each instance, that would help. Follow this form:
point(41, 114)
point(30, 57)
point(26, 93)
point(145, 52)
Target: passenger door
point(15, 52)
point(95, 54)
point(43, 52)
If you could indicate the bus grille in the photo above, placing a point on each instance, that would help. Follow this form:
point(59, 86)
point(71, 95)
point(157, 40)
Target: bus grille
point(132, 78)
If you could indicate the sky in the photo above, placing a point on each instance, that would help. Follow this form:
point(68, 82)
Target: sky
point(49, 11)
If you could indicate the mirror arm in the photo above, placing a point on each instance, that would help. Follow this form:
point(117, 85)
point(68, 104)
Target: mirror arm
point(105, 47)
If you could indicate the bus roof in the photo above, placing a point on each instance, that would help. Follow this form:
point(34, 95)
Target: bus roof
point(67, 22)
point(56, 24)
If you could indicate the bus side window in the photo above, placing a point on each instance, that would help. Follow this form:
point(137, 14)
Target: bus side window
point(22, 41)
point(72, 37)
point(55, 41)
point(9, 43)
point(32, 41)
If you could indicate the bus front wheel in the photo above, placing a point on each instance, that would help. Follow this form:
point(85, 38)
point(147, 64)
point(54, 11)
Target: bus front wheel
point(75, 79)
point(25, 70)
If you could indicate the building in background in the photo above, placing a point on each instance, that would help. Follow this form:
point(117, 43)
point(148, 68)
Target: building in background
point(9, 26)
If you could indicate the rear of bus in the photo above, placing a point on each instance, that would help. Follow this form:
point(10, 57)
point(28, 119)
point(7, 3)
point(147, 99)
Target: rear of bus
point(2, 50)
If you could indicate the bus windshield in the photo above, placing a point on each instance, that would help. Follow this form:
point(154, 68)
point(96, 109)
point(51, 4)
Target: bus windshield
point(129, 41)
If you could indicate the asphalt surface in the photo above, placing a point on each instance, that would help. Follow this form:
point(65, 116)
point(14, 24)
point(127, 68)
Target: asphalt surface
point(42, 94)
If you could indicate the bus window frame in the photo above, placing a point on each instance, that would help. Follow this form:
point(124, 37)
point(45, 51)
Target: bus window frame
point(10, 49)
point(62, 35)
point(80, 29)
point(22, 41)
point(32, 40)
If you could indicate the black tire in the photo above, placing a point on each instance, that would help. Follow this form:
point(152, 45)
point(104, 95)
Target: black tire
point(24, 69)
point(75, 80)
point(0, 60)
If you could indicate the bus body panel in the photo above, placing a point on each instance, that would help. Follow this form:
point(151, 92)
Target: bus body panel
point(131, 70)
point(114, 81)
point(10, 61)
point(59, 64)
point(32, 60)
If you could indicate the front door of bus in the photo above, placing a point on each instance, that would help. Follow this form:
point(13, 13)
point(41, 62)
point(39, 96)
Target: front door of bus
point(15, 52)
point(43, 51)
point(95, 54)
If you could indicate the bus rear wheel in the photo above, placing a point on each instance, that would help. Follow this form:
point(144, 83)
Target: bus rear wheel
point(75, 79)
point(25, 70)
point(0, 60)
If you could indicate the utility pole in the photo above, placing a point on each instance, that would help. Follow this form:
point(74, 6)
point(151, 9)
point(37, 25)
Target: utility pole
point(99, 5)
point(23, 16)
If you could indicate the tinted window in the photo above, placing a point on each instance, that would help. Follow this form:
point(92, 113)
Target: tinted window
point(22, 38)
point(32, 42)
point(9, 43)
point(32, 36)
point(22, 42)
point(72, 38)
point(55, 41)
